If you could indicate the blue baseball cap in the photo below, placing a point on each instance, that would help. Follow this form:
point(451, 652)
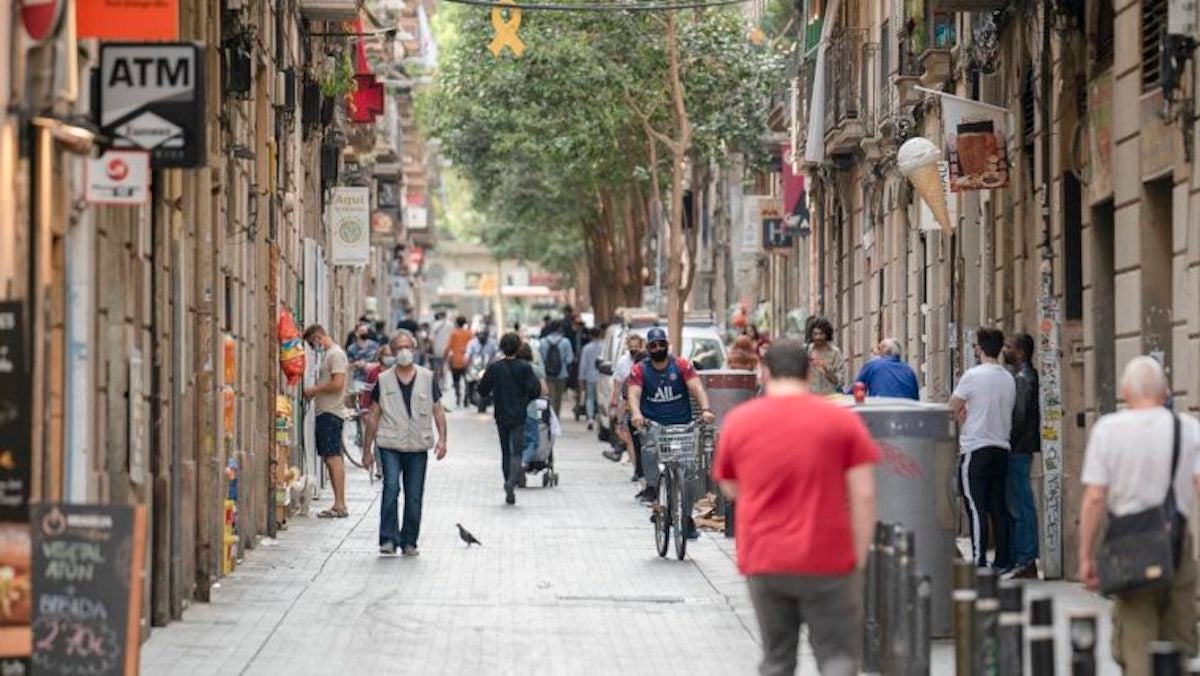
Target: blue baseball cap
point(656, 334)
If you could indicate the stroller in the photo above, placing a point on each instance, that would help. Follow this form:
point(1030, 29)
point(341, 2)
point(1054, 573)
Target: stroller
point(540, 460)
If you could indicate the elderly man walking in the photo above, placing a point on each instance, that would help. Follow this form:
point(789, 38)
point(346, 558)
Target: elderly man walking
point(802, 471)
point(886, 374)
point(406, 404)
point(1128, 469)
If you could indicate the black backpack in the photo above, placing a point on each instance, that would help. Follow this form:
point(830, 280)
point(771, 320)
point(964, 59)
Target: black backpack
point(554, 362)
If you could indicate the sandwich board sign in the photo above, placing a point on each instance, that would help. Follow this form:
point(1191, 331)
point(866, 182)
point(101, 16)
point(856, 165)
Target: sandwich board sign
point(152, 99)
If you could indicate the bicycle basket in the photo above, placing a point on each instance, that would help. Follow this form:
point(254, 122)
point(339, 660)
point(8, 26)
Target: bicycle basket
point(676, 443)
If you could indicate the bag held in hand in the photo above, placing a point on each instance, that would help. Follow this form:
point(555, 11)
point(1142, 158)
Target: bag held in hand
point(1141, 550)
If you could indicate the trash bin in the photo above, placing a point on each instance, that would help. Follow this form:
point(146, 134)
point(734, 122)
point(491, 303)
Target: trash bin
point(914, 486)
point(726, 388)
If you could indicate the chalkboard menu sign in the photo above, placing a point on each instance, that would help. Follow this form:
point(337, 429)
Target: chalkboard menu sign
point(16, 439)
point(86, 588)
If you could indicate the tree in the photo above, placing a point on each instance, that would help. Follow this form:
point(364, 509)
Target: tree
point(562, 146)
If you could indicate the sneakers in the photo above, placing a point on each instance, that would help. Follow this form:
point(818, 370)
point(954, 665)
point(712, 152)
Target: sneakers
point(1021, 571)
point(648, 496)
point(388, 549)
point(612, 455)
point(590, 425)
point(409, 550)
point(510, 495)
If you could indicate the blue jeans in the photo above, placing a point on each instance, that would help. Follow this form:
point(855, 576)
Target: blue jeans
point(409, 468)
point(592, 400)
point(531, 439)
point(1018, 495)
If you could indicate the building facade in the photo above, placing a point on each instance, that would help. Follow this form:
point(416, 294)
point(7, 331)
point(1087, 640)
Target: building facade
point(150, 331)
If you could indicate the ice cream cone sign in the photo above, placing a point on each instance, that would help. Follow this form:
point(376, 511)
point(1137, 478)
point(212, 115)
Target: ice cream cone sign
point(918, 162)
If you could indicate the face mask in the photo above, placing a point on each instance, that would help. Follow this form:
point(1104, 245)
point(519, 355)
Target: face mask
point(404, 357)
point(315, 348)
point(362, 335)
point(389, 361)
point(658, 355)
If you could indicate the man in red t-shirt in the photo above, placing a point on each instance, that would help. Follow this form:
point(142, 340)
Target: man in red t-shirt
point(802, 472)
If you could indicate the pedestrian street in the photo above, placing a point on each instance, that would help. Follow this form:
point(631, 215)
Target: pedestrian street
point(566, 582)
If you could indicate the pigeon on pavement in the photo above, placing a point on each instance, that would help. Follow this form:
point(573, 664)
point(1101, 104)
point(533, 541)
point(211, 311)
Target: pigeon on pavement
point(467, 537)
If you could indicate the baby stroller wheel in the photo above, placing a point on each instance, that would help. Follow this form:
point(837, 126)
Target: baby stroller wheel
point(545, 479)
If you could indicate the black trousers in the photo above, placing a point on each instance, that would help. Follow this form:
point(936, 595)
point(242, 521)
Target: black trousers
point(512, 443)
point(981, 478)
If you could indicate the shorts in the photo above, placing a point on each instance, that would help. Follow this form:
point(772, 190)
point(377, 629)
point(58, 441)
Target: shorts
point(329, 434)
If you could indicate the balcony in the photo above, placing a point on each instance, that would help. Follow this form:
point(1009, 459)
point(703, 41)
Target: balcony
point(852, 80)
point(329, 10)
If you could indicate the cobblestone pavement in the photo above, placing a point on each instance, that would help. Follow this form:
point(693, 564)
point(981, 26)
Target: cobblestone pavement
point(567, 582)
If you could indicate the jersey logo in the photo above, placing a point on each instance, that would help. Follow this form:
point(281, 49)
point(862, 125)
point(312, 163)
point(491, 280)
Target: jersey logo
point(663, 395)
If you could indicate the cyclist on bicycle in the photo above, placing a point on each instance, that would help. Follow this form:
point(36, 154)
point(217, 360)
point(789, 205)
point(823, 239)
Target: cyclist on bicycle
point(661, 389)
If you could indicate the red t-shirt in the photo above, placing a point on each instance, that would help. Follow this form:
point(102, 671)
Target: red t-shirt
point(789, 457)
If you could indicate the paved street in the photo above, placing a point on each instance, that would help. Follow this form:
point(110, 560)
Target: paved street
point(566, 582)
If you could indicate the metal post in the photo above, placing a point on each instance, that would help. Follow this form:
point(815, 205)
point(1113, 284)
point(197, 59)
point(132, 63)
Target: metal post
point(1041, 636)
point(987, 624)
point(871, 606)
point(900, 619)
point(1083, 644)
point(1012, 627)
point(886, 596)
point(1165, 659)
point(964, 616)
point(922, 631)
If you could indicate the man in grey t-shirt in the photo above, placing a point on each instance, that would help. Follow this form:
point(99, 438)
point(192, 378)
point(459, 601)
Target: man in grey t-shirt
point(983, 404)
point(329, 402)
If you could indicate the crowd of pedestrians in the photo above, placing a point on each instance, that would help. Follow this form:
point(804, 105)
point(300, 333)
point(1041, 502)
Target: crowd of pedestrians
point(799, 466)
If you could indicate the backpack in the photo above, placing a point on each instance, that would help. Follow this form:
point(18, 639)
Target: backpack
point(554, 362)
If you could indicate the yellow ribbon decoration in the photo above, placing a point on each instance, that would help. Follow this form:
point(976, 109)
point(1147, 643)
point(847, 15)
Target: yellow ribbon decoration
point(506, 31)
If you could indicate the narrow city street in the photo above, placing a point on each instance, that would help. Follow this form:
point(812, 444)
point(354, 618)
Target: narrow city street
point(567, 581)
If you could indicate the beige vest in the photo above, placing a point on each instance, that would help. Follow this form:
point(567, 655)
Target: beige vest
point(399, 431)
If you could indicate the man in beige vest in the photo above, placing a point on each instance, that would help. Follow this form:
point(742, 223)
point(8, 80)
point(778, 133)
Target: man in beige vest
point(406, 404)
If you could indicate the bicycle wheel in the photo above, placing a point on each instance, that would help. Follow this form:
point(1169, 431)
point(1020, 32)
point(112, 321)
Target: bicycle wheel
point(352, 443)
point(679, 512)
point(662, 514)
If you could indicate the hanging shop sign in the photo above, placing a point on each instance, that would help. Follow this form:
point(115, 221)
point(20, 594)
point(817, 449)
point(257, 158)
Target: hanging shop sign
point(751, 223)
point(152, 99)
point(87, 589)
point(416, 216)
point(975, 136)
point(41, 18)
point(776, 235)
point(118, 177)
point(383, 227)
point(349, 225)
point(1100, 149)
point(928, 219)
point(795, 196)
point(127, 19)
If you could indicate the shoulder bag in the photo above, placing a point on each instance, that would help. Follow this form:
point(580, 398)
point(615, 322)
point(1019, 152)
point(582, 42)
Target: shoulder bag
point(1141, 550)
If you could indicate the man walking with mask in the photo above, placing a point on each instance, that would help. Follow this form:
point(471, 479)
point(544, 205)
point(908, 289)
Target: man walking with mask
point(329, 402)
point(406, 403)
point(661, 388)
point(513, 385)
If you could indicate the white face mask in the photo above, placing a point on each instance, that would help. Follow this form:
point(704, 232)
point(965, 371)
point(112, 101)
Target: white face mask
point(389, 361)
point(404, 357)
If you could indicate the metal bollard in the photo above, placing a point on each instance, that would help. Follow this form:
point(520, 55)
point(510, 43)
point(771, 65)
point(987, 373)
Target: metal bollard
point(1083, 644)
point(922, 591)
point(987, 624)
point(964, 616)
point(1041, 636)
point(871, 587)
point(1012, 627)
point(901, 611)
point(1165, 659)
point(886, 597)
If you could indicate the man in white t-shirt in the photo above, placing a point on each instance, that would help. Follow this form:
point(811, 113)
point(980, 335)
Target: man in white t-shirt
point(983, 404)
point(1127, 470)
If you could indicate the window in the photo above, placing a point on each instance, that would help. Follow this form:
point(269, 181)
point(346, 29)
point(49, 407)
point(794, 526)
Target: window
point(1104, 37)
point(1072, 246)
point(1154, 28)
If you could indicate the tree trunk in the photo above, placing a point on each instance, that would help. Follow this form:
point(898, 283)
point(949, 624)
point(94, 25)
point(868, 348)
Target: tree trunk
point(676, 293)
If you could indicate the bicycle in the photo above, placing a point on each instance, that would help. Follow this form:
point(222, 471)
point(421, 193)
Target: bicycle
point(352, 449)
point(682, 453)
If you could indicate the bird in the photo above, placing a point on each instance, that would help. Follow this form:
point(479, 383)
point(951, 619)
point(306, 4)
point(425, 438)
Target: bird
point(467, 537)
